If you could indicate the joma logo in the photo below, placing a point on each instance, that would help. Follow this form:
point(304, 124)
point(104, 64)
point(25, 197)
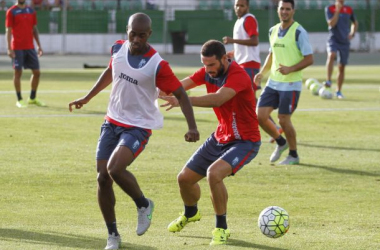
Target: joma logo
point(128, 78)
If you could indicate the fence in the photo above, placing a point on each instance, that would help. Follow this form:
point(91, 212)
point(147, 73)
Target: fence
point(181, 22)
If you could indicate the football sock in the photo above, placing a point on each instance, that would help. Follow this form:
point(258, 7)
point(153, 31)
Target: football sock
point(293, 153)
point(280, 141)
point(112, 228)
point(19, 97)
point(141, 202)
point(190, 211)
point(221, 221)
point(33, 94)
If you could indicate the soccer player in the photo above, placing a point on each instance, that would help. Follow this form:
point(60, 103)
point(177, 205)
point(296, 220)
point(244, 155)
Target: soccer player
point(342, 28)
point(235, 142)
point(21, 29)
point(246, 43)
point(289, 53)
point(136, 71)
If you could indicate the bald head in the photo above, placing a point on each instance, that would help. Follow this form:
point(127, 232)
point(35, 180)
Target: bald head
point(141, 20)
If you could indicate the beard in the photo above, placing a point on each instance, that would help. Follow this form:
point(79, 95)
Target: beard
point(220, 71)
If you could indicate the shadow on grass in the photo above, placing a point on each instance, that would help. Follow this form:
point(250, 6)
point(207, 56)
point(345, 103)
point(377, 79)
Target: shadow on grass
point(338, 148)
point(60, 240)
point(341, 171)
point(239, 243)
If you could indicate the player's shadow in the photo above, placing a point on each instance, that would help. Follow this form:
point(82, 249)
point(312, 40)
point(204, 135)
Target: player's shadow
point(60, 240)
point(341, 171)
point(238, 243)
point(339, 148)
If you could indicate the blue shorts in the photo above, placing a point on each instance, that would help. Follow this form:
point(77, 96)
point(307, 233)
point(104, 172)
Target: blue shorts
point(26, 59)
point(342, 51)
point(237, 154)
point(252, 72)
point(285, 101)
point(112, 136)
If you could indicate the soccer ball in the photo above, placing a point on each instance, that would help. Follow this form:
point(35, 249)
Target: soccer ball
point(273, 222)
point(325, 93)
point(310, 81)
point(315, 87)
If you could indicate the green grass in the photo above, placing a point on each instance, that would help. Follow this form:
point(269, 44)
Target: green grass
point(48, 176)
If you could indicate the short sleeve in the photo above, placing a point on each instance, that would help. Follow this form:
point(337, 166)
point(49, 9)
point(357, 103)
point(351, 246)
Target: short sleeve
point(250, 26)
point(199, 76)
point(165, 78)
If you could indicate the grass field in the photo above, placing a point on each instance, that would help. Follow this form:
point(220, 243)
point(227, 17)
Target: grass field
point(48, 176)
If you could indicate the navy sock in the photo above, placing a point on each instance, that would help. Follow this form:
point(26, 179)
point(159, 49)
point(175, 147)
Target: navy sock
point(293, 153)
point(112, 228)
point(19, 97)
point(280, 141)
point(141, 202)
point(33, 94)
point(190, 211)
point(221, 221)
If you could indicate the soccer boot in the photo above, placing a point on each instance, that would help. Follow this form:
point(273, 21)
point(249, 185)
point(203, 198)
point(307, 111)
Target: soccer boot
point(290, 160)
point(220, 236)
point(278, 151)
point(144, 218)
point(339, 95)
point(36, 102)
point(21, 104)
point(179, 223)
point(113, 242)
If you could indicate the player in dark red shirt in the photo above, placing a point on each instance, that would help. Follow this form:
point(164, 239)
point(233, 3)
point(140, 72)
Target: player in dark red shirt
point(21, 29)
point(235, 142)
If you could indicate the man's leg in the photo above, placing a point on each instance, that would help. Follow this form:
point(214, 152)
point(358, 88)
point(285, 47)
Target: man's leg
point(331, 55)
point(263, 114)
point(340, 79)
point(290, 132)
point(216, 173)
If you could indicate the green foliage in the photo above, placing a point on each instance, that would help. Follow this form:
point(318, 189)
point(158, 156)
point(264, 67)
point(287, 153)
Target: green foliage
point(48, 176)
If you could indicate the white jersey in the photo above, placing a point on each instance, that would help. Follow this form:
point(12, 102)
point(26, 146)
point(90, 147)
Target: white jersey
point(133, 99)
point(244, 53)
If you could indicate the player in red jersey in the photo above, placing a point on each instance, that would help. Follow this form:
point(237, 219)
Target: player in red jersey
point(21, 29)
point(235, 142)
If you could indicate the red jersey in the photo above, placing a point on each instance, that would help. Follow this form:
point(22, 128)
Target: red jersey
point(22, 22)
point(237, 117)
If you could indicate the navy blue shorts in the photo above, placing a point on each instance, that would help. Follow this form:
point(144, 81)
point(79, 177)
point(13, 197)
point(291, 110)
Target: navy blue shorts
point(26, 59)
point(237, 154)
point(342, 51)
point(285, 101)
point(252, 72)
point(112, 136)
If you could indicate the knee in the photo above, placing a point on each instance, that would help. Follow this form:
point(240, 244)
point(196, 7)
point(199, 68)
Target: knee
point(331, 56)
point(213, 176)
point(283, 121)
point(113, 171)
point(262, 118)
point(104, 180)
point(36, 73)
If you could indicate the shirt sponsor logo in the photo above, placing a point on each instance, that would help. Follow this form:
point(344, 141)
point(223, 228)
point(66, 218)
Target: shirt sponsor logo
point(142, 63)
point(279, 45)
point(128, 78)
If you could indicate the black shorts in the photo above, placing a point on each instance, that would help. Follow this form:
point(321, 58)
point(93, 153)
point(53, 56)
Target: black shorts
point(26, 59)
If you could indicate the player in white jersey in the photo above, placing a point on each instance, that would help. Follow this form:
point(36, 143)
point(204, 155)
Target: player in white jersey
point(136, 72)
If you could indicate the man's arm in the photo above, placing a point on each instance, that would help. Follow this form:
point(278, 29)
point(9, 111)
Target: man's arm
point(192, 135)
point(264, 69)
point(354, 29)
point(10, 51)
point(252, 41)
point(305, 62)
point(334, 20)
point(37, 38)
point(104, 80)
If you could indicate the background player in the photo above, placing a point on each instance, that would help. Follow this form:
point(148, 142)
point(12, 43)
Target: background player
point(342, 28)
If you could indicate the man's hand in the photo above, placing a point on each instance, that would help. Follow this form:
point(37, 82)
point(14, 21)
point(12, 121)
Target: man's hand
point(11, 53)
point(192, 135)
point(78, 103)
point(258, 78)
point(39, 51)
point(171, 102)
point(338, 6)
point(284, 69)
point(227, 40)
